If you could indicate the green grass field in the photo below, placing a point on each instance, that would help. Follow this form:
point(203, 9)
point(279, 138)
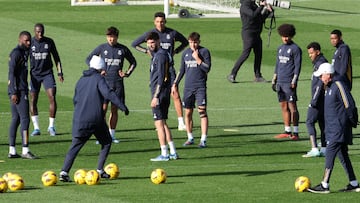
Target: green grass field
point(243, 162)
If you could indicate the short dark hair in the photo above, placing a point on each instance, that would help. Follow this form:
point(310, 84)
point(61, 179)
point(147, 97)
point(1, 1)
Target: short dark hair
point(152, 36)
point(287, 30)
point(112, 31)
point(194, 36)
point(314, 45)
point(336, 32)
point(22, 33)
point(159, 14)
point(39, 25)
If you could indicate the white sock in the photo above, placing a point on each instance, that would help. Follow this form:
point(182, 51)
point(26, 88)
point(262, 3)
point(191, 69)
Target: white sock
point(181, 120)
point(325, 185)
point(51, 122)
point(164, 151)
point(25, 150)
point(323, 149)
point(12, 150)
point(314, 149)
point(203, 138)
point(354, 183)
point(287, 129)
point(35, 120)
point(190, 136)
point(112, 132)
point(296, 129)
point(172, 147)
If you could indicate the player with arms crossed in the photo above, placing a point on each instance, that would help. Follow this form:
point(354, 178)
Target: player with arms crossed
point(42, 48)
point(161, 77)
point(196, 64)
point(114, 55)
point(168, 37)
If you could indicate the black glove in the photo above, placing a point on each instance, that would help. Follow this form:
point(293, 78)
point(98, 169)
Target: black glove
point(126, 111)
point(273, 86)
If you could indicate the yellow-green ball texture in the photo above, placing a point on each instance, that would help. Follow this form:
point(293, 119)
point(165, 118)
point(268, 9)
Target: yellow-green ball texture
point(79, 176)
point(113, 170)
point(158, 176)
point(92, 177)
point(302, 183)
point(3, 185)
point(49, 178)
point(15, 182)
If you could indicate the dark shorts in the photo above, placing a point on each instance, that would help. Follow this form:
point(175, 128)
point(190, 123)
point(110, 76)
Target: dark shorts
point(285, 92)
point(47, 80)
point(118, 88)
point(192, 95)
point(160, 112)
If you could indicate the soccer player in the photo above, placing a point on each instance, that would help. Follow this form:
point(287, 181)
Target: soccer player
point(161, 77)
point(18, 93)
point(252, 18)
point(339, 111)
point(168, 37)
point(42, 50)
point(90, 92)
point(285, 79)
point(341, 59)
point(196, 64)
point(316, 107)
point(114, 55)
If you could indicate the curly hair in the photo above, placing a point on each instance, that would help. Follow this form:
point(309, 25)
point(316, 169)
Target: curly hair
point(287, 30)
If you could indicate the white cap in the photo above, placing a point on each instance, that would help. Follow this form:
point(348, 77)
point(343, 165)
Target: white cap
point(97, 62)
point(324, 68)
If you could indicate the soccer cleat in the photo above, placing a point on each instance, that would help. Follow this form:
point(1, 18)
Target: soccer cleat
point(13, 156)
point(181, 127)
point(231, 78)
point(174, 156)
point(283, 135)
point(319, 189)
point(160, 158)
point(294, 137)
point(202, 144)
point(64, 177)
point(35, 132)
point(259, 79)
point(311, 153)
point(28, 155)
point(116, 141)
point(188, 142)
point(52, 131)
point(350, 188)
point(104, 175)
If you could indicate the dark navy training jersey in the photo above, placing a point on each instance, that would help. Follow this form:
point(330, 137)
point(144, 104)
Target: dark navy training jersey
point(40, 57)
point(288, 63)
point(18, 71)
point(114, 57)
point(342, 64)
point(161, 72)
point(317, 86)
point(196, 75)
point(168, 37)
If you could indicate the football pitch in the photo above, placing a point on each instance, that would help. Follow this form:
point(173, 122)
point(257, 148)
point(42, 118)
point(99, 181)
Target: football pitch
point(242, 163)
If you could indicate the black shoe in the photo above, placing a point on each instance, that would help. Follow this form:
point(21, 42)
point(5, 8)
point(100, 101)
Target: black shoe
point(64, 177)
point(350, 188)
point(104, 175)
point(28, 155)
point(319, 189)
point(13, 156)
point(259, 79)
point(231, 78)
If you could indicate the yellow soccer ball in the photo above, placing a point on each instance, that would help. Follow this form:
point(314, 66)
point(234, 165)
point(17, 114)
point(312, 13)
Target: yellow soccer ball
point(158, 176)
point(49, 178)
point(113, 170)
point(3, 185)
point(6, 176)
point(302, 183)
point(79, 176)
point(92, 177)
point(15, 182)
